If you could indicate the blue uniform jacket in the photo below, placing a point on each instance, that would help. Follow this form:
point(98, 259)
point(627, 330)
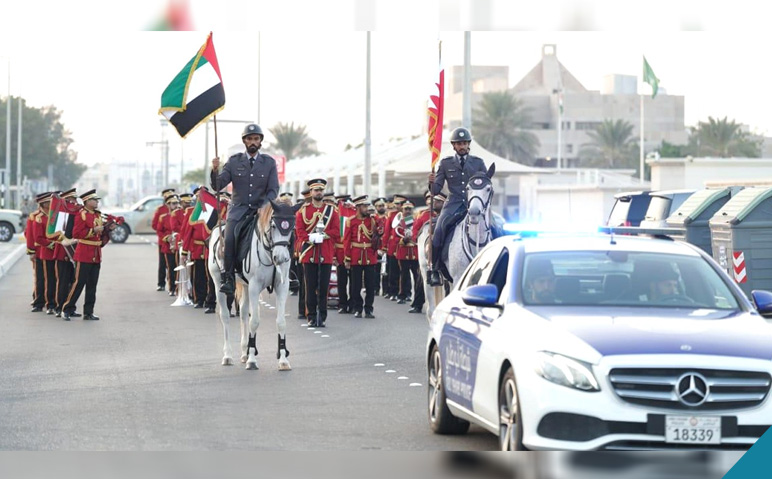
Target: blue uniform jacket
point(251, 187)
point(450, 171)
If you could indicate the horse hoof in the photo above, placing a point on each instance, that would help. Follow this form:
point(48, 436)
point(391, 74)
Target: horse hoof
point(243, 358)
point(285, 366)
point(227, 361)
point(252, 366)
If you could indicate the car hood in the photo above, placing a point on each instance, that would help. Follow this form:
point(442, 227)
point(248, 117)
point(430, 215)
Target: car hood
point(117, 212)
point(665, 331)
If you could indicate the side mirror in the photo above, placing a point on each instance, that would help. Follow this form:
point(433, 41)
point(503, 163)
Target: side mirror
point(763, 301)
point(482, 295)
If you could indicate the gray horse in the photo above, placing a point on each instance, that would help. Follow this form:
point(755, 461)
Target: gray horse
point(469, 236)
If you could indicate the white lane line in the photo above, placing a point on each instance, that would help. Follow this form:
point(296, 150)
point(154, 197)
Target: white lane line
point(413, 385)
point(379, 365)
point(402, 377)
point(304, 325)
point(325, 335)
point(317, 332)
point(390, 371)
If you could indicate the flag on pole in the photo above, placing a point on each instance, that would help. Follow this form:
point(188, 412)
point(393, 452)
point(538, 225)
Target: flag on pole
point(196, 93)
point(205, 210)
point(650, 78)
point(436, 108)
point(60, 217)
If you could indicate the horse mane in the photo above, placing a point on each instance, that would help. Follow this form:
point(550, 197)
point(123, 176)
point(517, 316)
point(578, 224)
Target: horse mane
point(264, 220)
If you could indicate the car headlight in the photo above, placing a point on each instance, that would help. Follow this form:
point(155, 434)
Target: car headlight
point(566, 371)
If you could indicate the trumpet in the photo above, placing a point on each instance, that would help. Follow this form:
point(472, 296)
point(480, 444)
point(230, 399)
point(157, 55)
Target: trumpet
point(184, 286)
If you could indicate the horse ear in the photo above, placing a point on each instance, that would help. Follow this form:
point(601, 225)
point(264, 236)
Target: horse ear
point(274, 205)
point(297, 207)
point(491, 171)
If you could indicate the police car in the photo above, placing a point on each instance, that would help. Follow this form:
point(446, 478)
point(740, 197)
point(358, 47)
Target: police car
point(586, 342)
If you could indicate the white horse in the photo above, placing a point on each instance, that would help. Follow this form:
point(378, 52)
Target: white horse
point(469, 237)
point(267, 265)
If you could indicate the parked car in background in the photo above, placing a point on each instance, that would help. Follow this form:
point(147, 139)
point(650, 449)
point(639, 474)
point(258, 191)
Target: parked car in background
point(11, 222)
point(661, 205)
point(629, 209)
point(137, 219)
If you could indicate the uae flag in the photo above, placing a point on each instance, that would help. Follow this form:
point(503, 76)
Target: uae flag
point(436, 111)
point(60, 218)
point(196, 93)
point(205, 210)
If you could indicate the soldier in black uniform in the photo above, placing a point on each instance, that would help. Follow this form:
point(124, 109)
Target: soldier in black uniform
point(456, 170)
point(255, 181)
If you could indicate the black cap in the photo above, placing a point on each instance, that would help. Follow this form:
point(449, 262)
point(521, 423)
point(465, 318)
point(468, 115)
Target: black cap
point(90, 195)
point(317, 183)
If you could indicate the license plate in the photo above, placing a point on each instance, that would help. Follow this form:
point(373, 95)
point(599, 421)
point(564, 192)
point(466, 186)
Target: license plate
point(693, 429)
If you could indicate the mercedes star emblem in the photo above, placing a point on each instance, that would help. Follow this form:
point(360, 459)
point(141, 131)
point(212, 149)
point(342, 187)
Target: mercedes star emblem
point(692, 389)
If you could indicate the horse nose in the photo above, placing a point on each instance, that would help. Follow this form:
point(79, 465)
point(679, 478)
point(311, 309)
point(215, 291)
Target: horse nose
point(474, 210)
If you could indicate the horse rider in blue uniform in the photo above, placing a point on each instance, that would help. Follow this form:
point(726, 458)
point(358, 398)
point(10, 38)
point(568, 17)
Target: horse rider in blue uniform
point(255, 181)
point(456, 171)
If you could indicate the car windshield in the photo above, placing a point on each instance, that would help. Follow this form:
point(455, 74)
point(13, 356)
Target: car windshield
point(620, 278)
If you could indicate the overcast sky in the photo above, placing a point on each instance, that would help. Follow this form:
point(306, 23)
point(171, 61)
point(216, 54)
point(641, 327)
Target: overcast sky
point(109, 83)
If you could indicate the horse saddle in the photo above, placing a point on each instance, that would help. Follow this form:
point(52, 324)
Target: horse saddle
point(242, 233)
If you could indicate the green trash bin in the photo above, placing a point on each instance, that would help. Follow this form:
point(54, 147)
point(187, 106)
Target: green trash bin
point(695, 213)
point(741, 238)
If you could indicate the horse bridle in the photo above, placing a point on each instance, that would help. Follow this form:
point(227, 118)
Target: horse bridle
point(478, 182)
point(285, 228)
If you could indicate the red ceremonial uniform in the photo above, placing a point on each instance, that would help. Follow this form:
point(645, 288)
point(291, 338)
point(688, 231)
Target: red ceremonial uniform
point(344, 213)
point(46, 245)
point(90, 243)
point(29, 233)
point(193, 240)
point(305, 223)
point(420, 220)
point(164, 232)
point(163, 209)
point(359, 241)
point(391, 239)
point(406, 247)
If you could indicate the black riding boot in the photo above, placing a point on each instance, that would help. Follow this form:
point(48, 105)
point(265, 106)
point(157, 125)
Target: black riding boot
point(227, 284)
point(433, 275)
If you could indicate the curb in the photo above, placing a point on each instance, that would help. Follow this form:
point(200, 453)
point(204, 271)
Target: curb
point(9, 261)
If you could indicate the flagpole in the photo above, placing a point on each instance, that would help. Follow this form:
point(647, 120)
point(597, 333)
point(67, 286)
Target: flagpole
point(431, 189)
point(641, 152)
point(216, 174)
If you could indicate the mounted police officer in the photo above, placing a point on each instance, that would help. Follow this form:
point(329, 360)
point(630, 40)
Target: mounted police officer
point(255, 181)
point(456, 170)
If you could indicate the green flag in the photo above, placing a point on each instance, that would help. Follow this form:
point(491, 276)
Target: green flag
point(650, 78)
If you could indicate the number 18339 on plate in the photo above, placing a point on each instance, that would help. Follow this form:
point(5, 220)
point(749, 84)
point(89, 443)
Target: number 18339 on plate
point(693, 429)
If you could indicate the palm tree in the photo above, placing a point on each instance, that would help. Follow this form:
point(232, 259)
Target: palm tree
point(499, 126)
point(723, 138)
point(293, 140)
point(611, 145)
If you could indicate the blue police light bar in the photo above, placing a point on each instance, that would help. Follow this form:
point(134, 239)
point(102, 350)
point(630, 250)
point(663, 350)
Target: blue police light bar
point(545, 229)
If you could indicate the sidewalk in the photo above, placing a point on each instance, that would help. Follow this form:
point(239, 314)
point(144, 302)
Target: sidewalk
point(11, 252)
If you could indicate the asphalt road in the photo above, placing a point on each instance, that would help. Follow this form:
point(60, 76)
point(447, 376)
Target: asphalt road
point(148, 375)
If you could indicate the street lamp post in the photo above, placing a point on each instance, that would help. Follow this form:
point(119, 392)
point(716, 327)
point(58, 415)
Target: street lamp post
point(7, 182)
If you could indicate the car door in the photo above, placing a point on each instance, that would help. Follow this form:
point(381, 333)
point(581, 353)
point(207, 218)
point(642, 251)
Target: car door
point(144, 223)
point(464, 332)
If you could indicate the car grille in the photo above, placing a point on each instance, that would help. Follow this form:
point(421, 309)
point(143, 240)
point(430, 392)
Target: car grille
point(656, 387)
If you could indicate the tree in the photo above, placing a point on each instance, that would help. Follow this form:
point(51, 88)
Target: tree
point(45, 141)
point(724, 139)
point(611, 145)
point(293, 141)
point(499, 126)
point(194, 177)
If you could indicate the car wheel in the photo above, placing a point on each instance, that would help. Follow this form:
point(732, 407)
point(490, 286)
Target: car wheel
point(510, 423)
point(440, 418)
point(120, 234)
point(6, 231)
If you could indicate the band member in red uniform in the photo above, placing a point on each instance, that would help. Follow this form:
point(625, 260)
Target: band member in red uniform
point(64, 252)
point(167, 238)
point(390, 247)
point(361, 257)
point(46, 254)
point(380, 217)
point(407, 254)
point(317, 228)
point(345, 211)
point(90, 231)
point(302, 314)
point(162, 209)
point(33, 250)
point(194, 236)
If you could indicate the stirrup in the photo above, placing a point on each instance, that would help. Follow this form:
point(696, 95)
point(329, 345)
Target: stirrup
point(433, 278)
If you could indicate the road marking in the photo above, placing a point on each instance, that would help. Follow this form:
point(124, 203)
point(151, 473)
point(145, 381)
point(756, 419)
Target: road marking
point(402, 377)
point(317, 332)
point(325, 335)
point(412, 385)
point(304, 325)
point(390, 371)
point(379, 365)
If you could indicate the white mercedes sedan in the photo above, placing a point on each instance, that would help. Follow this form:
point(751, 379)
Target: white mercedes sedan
point(586, 342)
